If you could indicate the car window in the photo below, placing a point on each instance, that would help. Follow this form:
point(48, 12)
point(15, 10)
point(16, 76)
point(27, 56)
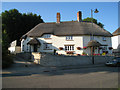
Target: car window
point(114, 61)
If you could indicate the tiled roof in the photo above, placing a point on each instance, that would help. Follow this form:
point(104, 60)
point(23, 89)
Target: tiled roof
point(117, 32)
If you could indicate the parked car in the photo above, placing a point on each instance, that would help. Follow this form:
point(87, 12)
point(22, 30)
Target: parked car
point(114, 62)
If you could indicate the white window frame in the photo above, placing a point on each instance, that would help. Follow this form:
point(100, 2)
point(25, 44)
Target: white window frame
point(104, 48)
point(104, 38)
point(47, 36)
point(69, 47)
point(69, 37)
point(47, 46)
point(91, 37)
point(23, 46)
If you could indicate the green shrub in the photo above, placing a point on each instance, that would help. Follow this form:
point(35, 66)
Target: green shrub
point(7, 60)
point(84, 53)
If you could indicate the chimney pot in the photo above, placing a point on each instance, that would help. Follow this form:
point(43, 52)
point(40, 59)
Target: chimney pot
point(79, 16)
point(58, 17)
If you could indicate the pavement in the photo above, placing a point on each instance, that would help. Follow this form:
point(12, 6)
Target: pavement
point(21, 67)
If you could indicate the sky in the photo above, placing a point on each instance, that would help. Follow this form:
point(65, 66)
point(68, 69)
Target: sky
point(108, 11)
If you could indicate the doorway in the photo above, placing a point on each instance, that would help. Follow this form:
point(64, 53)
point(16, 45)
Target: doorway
point(35, 48)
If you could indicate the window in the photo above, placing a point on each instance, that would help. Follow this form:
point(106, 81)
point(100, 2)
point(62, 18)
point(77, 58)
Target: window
point(47, 46)
point(104, 48)
point(69, 47)
point(47, 36)
point(69, 37)
point(91, 37)
point(27, 47)
point(104, 38)
point(23, 48)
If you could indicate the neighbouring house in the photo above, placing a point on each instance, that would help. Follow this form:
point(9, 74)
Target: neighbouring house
point(14, 48)
point(116, 41)
point(116, 38)
point(67, 37)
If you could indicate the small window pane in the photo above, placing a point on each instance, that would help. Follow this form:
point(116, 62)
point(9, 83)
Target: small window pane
point(69, 48)
point(69, 37)
point(48, 46)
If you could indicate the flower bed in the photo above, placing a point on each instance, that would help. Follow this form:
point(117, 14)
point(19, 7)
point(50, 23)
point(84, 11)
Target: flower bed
point(96, 54)
point(110, 48)
point(70, 52)
point(60, 48)
point(78, 48)
point(84, 47)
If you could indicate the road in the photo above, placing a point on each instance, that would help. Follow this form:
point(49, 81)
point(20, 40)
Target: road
point(92, 77)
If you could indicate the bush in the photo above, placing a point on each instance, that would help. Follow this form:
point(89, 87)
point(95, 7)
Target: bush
point(84, 53)
point(7, 60)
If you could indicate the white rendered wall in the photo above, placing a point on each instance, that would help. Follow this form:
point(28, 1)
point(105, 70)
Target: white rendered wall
point(118, 39)
point(15, 49)
point(107, 42)
point(60, 41)
point(115, 42)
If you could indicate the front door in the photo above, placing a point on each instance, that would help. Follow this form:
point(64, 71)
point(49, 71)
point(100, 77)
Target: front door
point(35, 48)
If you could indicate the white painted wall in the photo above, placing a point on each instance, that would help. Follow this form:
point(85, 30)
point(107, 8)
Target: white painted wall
point(115, 42)
point(108, 42)
point(15, 49)
point(60, 41)
point(118, 39)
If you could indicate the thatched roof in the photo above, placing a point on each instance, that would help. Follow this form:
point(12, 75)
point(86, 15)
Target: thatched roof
point(34, 41)
point(93, 43)
point(117, 32)
point(67, 28)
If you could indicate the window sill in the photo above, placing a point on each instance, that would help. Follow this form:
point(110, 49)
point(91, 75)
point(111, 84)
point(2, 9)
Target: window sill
point(69, 40)
point(69, 51)
point(47, 49)
point(47, 38)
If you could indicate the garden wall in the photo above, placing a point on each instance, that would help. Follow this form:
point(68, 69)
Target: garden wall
point(55, 60)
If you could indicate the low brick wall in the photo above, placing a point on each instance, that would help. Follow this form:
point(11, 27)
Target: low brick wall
point(53, 60)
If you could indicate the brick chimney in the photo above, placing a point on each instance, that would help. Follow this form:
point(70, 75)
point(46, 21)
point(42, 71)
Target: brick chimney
point(58, 17)
point(79, 16)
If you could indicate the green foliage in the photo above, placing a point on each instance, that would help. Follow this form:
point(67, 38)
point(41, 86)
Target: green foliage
point(14, 25)
point(7, 59)
point(94, 21)
point(5, 43)
point(17, 24)
point(83, 53)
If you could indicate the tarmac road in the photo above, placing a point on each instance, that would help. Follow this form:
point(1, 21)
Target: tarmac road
point(85, 77)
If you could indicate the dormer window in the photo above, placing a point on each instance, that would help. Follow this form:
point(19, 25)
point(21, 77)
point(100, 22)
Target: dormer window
point(47, 36)
point(69, 37)
point(104, 38)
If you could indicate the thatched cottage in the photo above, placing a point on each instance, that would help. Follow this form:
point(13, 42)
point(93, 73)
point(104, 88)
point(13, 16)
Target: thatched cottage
point(68, 37)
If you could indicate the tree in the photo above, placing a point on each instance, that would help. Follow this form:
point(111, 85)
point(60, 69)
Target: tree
point(14, 25)
point(7, 60)
point(17, 24)
point(94, 21)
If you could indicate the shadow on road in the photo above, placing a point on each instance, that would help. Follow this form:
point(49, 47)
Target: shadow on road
point(19, 69)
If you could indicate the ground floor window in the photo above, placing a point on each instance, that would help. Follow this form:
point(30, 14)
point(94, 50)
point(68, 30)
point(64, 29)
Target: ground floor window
point(104, 48)
point(23, 48)
point(47, 46)
point(69, 47)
